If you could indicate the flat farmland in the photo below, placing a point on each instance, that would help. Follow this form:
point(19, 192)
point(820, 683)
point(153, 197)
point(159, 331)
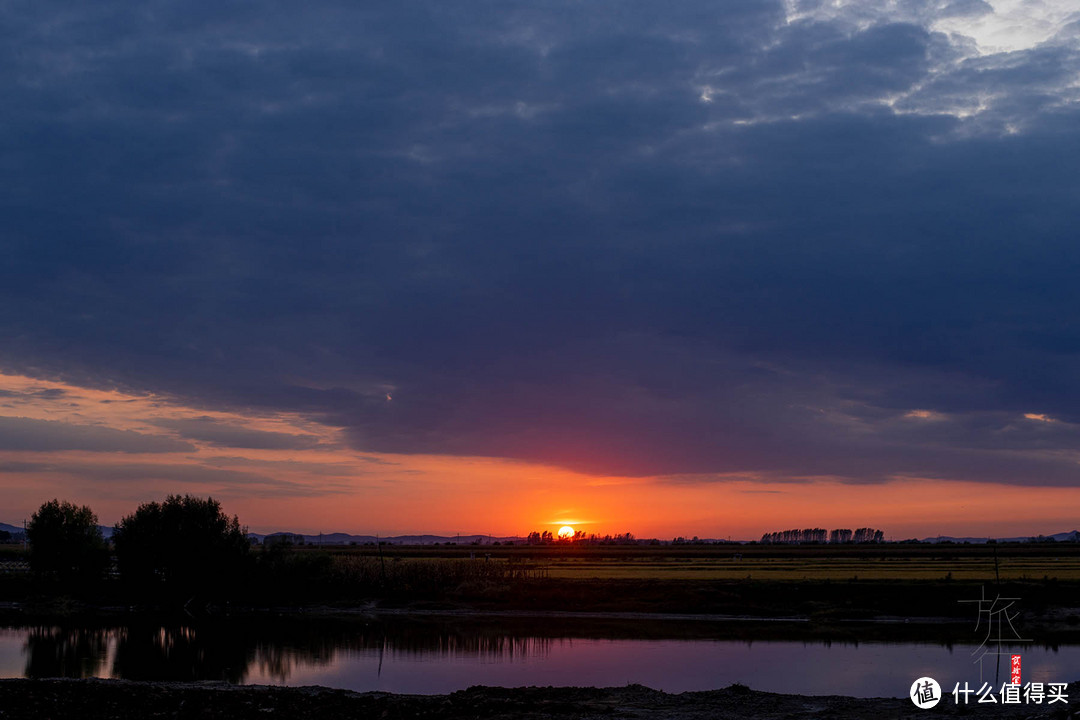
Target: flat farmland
point(902, 562)
point(821, 568)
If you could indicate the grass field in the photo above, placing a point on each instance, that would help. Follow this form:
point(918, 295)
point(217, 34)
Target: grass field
point(822, 584)
point(824, 568)
point(763, 563)
point(1034, 562)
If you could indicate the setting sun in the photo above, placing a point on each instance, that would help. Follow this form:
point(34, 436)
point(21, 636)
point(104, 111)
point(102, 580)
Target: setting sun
point(566, 533)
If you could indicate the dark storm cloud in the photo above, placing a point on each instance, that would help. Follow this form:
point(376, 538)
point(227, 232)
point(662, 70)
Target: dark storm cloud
point(20, 433)
point(222, 434)
point(620, 237)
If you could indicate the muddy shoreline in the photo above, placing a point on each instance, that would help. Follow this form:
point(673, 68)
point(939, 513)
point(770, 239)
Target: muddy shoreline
point(119, 699)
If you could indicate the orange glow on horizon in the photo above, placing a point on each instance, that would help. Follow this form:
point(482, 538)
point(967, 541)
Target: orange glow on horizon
point(323, 485)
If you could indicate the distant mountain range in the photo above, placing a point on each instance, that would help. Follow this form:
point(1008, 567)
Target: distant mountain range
point(17, 530)
point(1071, 536)
point(346, 539)
point(338, 538)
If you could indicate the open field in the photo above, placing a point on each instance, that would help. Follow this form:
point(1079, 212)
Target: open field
point(820, 584)
point(819, 569)
point(1051, 561)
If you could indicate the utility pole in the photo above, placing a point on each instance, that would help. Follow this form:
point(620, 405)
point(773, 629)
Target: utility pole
point(382, 561)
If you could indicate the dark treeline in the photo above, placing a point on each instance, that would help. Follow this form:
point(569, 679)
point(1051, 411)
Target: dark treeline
point(821, 536)
point(581, 538)
point(183, 548)
point(186, 552)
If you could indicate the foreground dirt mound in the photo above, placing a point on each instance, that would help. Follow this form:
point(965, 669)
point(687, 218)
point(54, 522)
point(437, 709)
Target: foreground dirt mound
point(99, 699)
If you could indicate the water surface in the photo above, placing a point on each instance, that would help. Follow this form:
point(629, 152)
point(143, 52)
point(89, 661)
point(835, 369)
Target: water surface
point(429, 658)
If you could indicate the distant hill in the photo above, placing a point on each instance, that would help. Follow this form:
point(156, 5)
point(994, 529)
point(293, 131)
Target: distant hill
point(17, 530)
point(13, 529)
point(338, 538)
point(346, 539)
point(1071, 536)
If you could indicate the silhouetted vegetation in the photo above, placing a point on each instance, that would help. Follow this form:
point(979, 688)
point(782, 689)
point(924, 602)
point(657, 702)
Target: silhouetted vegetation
point(186, 549)
point(66, 543)
point(580, 538)
point(821, 535)
point(295, 574)
point(183, 548)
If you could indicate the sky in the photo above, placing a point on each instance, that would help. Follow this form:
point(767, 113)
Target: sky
point(692, 268)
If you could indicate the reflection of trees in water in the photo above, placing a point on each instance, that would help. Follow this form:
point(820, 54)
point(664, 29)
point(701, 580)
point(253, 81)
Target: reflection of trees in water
point(234, 649)
point(431, 642)
point(65, 652)
point(153, 652)
point(296, 646)
point(278, 653)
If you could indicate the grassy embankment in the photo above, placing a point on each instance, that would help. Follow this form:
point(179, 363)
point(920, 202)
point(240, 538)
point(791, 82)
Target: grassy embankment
point(819, 583)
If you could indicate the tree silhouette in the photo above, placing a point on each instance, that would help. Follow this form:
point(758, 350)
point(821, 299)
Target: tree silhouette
point(66, 542)
point(185, 546)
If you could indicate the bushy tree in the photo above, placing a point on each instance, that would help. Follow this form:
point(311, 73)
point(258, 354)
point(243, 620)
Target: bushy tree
point(66, 542)
point(185, 545)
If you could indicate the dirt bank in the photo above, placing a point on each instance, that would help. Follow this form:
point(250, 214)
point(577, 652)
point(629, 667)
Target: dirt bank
point(101, 699)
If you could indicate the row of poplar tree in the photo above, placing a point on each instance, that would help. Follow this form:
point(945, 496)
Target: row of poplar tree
point(822, 536)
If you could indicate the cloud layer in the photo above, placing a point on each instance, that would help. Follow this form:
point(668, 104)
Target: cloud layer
point(622, 238)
